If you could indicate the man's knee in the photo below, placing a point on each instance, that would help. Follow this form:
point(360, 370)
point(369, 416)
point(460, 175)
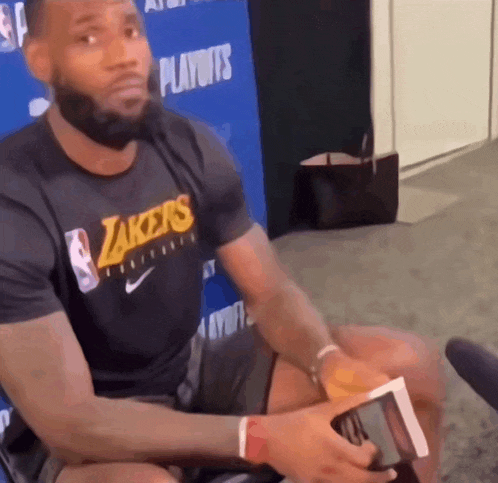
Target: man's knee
point(399, 353)
point(419, 360)
point(116, 473)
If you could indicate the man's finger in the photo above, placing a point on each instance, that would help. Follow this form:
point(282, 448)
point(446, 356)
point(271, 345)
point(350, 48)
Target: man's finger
point(370, 449)
point(357, 474)
point(360, 456)
point(385, 476)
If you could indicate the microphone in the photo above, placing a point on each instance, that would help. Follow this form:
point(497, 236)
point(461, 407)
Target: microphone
point(476, 366)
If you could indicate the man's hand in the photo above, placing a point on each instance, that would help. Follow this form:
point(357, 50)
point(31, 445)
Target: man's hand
point(303, 446)
point(343, 376)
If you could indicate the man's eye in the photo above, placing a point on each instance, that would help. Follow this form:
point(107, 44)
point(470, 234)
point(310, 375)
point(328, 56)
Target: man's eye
point(87, 39)
point(133, 32)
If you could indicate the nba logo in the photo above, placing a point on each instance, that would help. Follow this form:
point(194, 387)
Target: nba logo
point(7, 36)
point(78, 246)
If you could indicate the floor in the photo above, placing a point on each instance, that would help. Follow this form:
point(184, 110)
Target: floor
point(434, 272)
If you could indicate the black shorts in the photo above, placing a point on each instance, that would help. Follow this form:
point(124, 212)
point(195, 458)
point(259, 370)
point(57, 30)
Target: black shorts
point(229, 376)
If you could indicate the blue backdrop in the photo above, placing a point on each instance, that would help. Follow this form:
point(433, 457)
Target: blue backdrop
point(205, 57)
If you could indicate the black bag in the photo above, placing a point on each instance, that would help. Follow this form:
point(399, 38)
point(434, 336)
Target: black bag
point(345, 191)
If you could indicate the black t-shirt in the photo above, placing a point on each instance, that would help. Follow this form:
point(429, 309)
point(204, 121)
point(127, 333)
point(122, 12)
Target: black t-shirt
point(121, 255)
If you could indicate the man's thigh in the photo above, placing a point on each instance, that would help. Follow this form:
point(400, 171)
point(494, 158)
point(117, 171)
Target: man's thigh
point(229, 376)
point(291, 389)
point(116, 473)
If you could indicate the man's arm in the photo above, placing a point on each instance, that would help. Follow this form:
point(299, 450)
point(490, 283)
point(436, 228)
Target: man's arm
point(287, 319)
point(280, 309)
point(283, 313)
point(44, 372)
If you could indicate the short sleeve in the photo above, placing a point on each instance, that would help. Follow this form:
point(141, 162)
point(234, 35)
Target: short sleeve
point(27, 258)
point(224, 215)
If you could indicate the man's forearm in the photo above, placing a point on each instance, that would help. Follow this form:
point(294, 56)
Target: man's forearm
point(292, 326)
point(106, 430)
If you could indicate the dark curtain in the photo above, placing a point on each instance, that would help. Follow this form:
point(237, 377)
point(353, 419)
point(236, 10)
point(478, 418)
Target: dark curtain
point(312, 61)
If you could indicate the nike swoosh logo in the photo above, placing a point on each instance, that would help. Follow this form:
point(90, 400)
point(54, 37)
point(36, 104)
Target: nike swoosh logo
point(130, 287)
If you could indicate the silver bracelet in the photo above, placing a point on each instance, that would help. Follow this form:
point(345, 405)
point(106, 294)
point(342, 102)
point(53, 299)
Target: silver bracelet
point(326, 350)
point(321, 354)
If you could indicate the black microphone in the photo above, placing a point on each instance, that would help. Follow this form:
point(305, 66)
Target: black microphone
point(476, 366)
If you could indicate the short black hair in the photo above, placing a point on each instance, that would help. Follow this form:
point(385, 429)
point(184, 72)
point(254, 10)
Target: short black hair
point(34, 12)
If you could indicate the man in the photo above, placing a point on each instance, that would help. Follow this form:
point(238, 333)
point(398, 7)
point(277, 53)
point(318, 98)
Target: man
point(108, 204)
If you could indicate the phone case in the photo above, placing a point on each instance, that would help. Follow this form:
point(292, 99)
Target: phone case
point(388, 420)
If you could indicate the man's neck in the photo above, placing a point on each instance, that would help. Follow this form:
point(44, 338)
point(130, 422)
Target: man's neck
point(93, 157)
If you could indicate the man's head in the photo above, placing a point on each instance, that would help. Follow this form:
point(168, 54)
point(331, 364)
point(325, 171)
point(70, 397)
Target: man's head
point(95, 57)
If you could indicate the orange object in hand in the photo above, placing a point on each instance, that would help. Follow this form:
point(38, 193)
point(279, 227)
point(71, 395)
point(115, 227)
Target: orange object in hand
point(344, 377)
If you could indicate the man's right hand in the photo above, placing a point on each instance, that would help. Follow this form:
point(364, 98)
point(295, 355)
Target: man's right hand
point(303, 446)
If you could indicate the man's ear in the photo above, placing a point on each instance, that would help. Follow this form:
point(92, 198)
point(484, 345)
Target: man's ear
point(38, 59)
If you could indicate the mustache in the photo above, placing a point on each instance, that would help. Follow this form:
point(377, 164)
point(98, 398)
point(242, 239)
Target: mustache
point(153, 84)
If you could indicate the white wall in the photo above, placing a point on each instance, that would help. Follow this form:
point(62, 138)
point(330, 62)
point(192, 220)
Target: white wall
point(494, 100)
point(441, 75)
point(381, 77)
point(431, 94)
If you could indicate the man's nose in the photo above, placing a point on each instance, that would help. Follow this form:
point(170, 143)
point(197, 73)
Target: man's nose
point(120, 54)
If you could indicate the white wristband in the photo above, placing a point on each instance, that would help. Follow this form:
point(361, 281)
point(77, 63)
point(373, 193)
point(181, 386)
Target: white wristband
point(243, 437)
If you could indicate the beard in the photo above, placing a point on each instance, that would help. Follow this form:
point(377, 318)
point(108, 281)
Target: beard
point(105, 126)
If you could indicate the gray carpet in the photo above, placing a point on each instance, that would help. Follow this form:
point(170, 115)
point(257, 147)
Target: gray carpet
point(434, 272)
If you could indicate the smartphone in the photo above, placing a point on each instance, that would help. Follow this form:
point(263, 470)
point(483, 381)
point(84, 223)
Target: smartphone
point(388, 420)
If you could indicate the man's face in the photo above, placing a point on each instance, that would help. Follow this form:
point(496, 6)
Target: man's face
point(98, 48)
